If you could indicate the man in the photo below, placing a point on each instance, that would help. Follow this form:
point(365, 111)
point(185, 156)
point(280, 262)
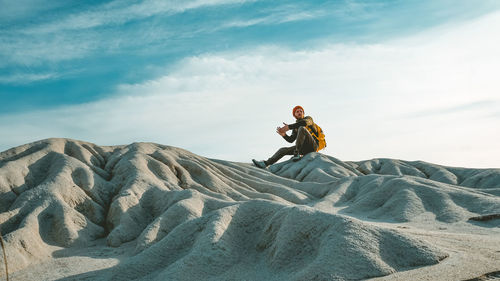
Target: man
point(301, 131)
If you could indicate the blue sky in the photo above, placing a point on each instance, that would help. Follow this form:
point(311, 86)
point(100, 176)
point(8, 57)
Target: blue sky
point(413, 80)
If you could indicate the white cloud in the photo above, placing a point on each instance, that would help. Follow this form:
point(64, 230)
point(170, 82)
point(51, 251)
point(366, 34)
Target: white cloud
point(75, 36)
point(284, 15)
point(25, 50)
point(26, 78)
point(367, 98)
point(293, 12)
point(119, 12)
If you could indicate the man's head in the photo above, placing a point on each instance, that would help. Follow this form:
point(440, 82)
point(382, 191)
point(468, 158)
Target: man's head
point(298, 112)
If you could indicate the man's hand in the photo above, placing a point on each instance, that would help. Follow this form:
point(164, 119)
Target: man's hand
point(282, 130)
point(279, 131)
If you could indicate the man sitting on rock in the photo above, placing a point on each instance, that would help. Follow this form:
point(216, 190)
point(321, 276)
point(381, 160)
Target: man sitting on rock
point(309, 136)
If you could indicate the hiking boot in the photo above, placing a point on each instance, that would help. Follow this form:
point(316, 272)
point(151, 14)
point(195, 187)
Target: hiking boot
point(260, 164)
point(296, 156)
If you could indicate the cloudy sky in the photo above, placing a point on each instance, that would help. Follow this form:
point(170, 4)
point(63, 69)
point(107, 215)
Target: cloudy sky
point(405, 79)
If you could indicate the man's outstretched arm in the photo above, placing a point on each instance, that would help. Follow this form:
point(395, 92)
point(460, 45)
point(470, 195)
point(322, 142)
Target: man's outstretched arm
point(282, 132)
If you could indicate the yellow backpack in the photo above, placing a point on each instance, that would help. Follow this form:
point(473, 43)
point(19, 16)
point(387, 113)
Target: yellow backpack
point(318, 134)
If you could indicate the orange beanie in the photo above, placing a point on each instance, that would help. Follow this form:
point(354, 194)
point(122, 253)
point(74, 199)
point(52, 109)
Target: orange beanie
point(295, 108)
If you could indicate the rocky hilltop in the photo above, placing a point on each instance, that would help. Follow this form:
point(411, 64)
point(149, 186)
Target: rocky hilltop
point(153, 212)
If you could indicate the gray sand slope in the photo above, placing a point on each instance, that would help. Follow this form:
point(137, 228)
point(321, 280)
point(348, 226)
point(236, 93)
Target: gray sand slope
point(72, 210)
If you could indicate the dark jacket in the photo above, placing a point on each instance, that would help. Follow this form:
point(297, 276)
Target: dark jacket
point(304, 122)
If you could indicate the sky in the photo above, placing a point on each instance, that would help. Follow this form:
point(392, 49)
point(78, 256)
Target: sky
point(402, 79)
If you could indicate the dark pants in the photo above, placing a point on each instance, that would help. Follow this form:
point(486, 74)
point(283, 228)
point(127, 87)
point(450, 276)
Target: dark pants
point(304, 144)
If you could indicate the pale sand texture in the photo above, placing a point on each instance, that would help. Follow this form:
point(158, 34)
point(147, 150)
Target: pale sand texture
point(72, 210)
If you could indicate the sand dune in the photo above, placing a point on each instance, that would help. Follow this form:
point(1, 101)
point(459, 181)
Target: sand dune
point(72, 210)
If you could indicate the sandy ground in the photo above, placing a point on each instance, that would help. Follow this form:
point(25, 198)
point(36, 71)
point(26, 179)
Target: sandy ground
point(71, 262)
point(470, 256)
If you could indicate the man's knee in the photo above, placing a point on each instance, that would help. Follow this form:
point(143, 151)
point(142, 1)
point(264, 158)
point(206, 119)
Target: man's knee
point(303, 132)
